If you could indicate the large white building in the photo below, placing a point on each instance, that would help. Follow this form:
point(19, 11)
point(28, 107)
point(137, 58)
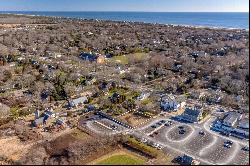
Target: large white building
point(232, 123)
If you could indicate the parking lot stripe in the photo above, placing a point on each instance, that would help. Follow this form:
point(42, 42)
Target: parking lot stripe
point(204, 150)
point(232, 156)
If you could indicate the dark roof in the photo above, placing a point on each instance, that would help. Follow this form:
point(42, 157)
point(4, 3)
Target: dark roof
point(91, 107)
point(59, 121)
point(116, 95)
point(88, 56)
point(108, 56)
point(187, 159)
point(192, 112)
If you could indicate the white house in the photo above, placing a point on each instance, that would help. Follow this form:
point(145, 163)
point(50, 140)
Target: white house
point(77, 102)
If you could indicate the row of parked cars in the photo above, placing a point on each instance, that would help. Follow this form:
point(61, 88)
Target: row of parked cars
point(162, 122)
point(228, 144)
point(150, 143)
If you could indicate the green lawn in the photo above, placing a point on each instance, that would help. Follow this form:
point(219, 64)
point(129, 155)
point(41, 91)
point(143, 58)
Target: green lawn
point(121, 59)
point(141, 56)
point(122, 160)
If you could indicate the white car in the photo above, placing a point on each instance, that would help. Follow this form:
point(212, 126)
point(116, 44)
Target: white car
point(143, 140)
point(159, 147)
point(155, 145)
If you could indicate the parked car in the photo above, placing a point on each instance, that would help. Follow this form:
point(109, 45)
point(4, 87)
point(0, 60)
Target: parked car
point(227, 145)
point(178, 159)
point(153, 126)
point(114, 127)
point(229, 142)
point(155, 145)
point(202, 132)
point(245, 148)
point(159, 147)
point(225, 134)
point(156, 133)
point(163, 121)
point(144, 140)
point(181, 127)
point(159, 123)
point(182, 131)
point(167, 124)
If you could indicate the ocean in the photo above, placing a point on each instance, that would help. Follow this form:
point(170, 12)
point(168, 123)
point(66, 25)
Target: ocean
point(219, 20)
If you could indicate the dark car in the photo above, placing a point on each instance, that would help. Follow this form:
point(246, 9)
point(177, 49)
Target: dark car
point(163, 121)
point(202, 133)
point(154, 126)
point(159, 123)
point(225, 134)
point(167, 124)
point(245, 148)
point(178, 159)
point(114, 127)
point(182, 131)
point(229, 142)
point(181, 127)
point(227, 145)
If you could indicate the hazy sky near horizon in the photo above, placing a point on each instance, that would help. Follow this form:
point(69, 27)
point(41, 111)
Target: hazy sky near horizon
point(127, 5)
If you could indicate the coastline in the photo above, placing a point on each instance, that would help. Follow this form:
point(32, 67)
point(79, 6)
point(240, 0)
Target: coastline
point(133, 22)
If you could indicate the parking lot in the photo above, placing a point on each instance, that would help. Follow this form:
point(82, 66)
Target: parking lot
point(242, 157)
point(175, 135)
point(196, 141)
point(179, 138)
point(105, 127)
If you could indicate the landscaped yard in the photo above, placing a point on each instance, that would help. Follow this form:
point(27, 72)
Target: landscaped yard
point(122, 159)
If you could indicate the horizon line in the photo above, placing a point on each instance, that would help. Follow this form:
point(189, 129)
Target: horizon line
point(128, 11)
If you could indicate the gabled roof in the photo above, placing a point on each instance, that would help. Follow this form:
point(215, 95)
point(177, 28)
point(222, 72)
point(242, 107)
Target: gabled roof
point(88, 56)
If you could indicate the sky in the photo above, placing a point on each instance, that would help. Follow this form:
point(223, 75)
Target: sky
point(127, 5)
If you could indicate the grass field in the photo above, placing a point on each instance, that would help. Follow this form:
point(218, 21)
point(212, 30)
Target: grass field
point(122, 160)
point(121, 59)
point(119, 158)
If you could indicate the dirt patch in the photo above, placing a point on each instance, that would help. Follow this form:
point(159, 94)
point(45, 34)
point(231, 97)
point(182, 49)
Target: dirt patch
point(69, 149)
point(132, 119)
point(9, 25)
point(13, 148)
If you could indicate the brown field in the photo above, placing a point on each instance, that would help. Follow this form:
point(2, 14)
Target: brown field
point(132, 119)
point(13, 148)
